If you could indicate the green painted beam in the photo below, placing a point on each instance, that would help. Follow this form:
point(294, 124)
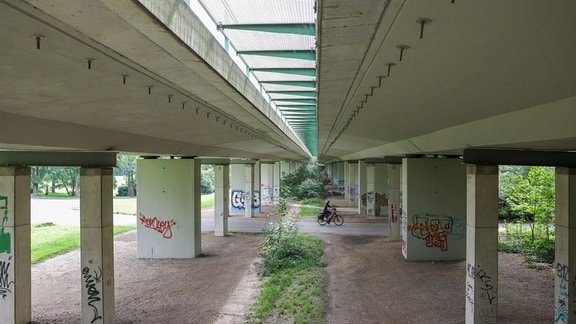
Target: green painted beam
point(294, 54)
point(298, 29)
point(289, 107)
point(309, 101)
point(295, 92)
point(307, 84)
point(296, 71)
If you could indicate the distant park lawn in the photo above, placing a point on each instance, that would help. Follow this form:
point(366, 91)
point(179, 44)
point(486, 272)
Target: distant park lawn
point(48, 240)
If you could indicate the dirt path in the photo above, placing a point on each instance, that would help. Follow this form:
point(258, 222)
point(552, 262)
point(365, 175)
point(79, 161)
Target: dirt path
point(369, 282)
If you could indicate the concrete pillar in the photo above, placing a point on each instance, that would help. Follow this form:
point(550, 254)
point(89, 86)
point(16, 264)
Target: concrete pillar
point(271, 184)
point(15, 267)
point(394, 175)
point(256, 183)
point(434, 200)
point(565, 286)
point(371, 190)
point(221, 201)
point(482, 244)
point(277, 182)
point(361, 198)
point(169, 208)
point(248, 190)
point(381, 189)
point(97, 245)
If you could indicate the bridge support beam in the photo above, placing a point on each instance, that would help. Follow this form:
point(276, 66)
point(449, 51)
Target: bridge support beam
point(565, 285)
point(169, 208)
point(221, 199)
point(434, 205)
point(482, 244)
point(97, 245)
point(15, 265)
point(394, 203)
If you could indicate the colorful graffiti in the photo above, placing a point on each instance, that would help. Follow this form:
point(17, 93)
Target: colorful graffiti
point(480, 277)
point(239, 198)
point(433, 229)
point(160, 226)
point(91, 280)
point(374, 199)
point(5, 246)
point(561, 309)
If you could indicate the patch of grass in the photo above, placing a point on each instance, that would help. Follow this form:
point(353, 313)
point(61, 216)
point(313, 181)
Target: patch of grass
point(48, 240)
point(207, 200)
point(309, 211)
point(125, 206)
point(293, 289)
point(54, 195)
point(538, 251)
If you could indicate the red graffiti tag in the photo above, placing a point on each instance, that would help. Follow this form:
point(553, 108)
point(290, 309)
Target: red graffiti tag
point(160, 226)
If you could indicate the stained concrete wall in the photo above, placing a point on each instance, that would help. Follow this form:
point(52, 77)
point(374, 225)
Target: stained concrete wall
point(168, 208)
point(434, 209)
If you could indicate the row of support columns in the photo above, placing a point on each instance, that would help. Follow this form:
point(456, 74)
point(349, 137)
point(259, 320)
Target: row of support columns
point(443, 209)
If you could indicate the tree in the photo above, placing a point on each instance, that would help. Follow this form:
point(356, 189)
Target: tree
point(38, 175)
point(126, 166)
point(64, 177)
point(207, 179)
point(530, 192)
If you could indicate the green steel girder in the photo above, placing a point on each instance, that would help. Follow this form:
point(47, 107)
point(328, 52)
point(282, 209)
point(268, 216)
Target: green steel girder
point(307, 84)
point(294, 54)
point(308, 101)
point(295, 92)
point(297, 107)
point(295, 71)
point(298, 29)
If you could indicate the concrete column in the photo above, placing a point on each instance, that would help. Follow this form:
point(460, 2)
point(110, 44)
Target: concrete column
point(371, 190)
point(271, 183)
point(381, 189)
point(565, 286)
point(277, 182)
point(97, 245)
point(256, 184)
point(169, 208)
point(221, 201)
point(394, 174)
point(482, 244)
point(248, 190)
point(15, 267)
point(434, 200)
point(362, 193)
point(347, 181)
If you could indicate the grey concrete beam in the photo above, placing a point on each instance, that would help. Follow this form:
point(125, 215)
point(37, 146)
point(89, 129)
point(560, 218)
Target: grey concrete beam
point(58, 158)
point(519, 157)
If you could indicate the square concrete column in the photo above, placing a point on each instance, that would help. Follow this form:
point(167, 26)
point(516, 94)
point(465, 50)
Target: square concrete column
point(271, 183)
point(434, 200)
point(565, 286)
point(248, 187)
point(169, 208)
point(15, 266)
point(221, 202)
point(394, 175)
point(97, 245)
point(362, 193)
point(256, 183)
point(371, 190)
point(482, 244)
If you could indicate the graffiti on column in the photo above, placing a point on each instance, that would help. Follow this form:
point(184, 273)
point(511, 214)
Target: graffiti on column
point(276, 192)
point(93, 279)
point(265, 193)
point(381, 202)
point(369, 196)
point(161, 226)
point(433, 229)
point(483, 280)
point(393, 213)
point(341, 184)
point(5, 282)
point(4, 237)
point(561, 309)
point(240, 197)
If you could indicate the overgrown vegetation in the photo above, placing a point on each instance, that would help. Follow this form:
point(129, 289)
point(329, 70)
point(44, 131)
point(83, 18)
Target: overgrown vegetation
point(306, 182)
point(527, 200)
point(293, 290)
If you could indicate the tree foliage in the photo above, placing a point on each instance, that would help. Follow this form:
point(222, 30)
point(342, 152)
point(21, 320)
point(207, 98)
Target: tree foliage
point(305, 182)
point(529, 194)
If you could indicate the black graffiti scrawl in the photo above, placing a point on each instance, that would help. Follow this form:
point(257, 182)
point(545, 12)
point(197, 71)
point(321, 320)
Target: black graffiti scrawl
point(6, 284)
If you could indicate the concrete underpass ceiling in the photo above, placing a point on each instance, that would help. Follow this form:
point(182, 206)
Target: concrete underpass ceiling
point(143, 91)
point(484, 74)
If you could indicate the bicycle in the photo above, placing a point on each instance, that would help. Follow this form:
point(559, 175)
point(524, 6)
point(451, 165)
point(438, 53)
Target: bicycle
point(338, 220)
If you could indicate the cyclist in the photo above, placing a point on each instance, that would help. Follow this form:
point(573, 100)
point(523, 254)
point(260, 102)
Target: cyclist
point(328, 211)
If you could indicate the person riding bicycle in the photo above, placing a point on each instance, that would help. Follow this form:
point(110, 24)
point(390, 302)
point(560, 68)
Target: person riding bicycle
point(328, 211)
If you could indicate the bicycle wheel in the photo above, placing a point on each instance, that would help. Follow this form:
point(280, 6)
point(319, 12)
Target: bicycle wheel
point(338, 220)
point(322, 221)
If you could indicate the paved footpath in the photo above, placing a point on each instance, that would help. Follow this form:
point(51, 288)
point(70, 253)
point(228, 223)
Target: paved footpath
point(67, 212)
